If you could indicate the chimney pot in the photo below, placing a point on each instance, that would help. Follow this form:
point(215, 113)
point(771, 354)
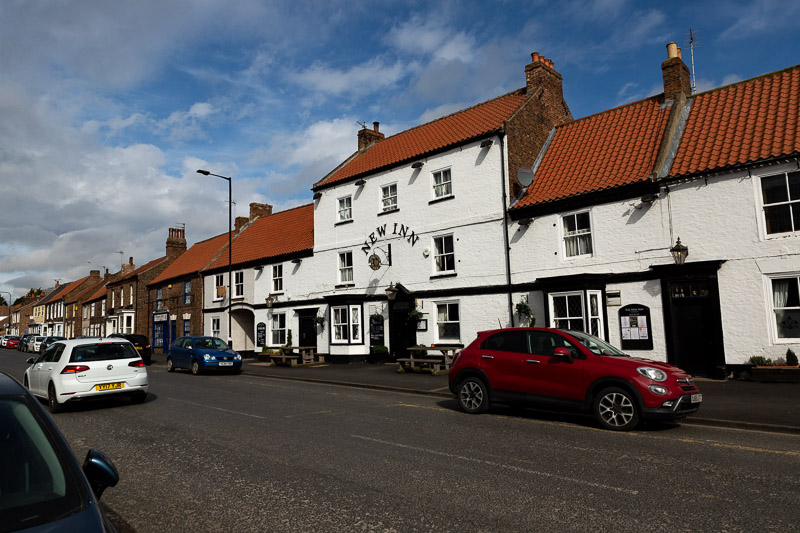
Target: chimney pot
point(375, 126)
point(672, 50)
point(535, 57)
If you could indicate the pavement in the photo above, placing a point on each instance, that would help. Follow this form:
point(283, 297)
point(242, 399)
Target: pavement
point(773, 407)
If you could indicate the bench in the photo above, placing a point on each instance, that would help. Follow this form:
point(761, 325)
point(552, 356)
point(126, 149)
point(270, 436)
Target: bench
point(416, 364)
point(291, 359)
point(306, 355)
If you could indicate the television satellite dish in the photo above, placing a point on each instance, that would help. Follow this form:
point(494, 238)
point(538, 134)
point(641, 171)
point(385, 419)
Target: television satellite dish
point(525, 176)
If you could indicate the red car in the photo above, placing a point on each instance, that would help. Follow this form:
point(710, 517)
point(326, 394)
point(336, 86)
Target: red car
point(569, 369)
point(11, 342)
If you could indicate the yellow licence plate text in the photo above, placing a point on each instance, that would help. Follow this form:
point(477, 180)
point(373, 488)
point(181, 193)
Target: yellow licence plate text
point(109, 386)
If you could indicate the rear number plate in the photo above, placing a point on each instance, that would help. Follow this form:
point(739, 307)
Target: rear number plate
point(225, 363)
point(109, 386)
point(697, 398)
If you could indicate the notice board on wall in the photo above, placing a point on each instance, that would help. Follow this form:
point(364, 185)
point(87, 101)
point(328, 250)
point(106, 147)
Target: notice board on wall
point(636, 332)
point(261, 334)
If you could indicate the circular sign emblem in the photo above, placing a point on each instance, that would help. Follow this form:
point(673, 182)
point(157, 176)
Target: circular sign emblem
point(374, 262)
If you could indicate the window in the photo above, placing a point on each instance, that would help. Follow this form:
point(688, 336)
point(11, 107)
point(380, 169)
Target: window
point(346, 322)
point(567, 311)
point(130, 295)
point(508, 341)
point(85, 312)
point(113, 294)
point(577, 234)
point(595, 316)
point(279, 328)
point(448, 326)
point(129, 324)
point(444, 256)
point(91, 311)
point(346, 267)
point(345, 209)
point(219, 287)
point(103, 308)
point(187, 327)
point(215, 327)
point(389, 197)
point(159, 302)
point(277, 278)
point(781, 196)
point(442, 185)
point(786, 307)
point(187, 292)
point(238, 284)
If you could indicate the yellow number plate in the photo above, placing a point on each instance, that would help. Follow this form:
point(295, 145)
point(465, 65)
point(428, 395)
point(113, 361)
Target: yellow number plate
point(109, 386)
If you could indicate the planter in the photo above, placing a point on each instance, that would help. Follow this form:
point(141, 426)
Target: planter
point(776, 374)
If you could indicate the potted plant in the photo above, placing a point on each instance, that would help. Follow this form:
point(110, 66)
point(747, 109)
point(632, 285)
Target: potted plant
point(377, 317)
point(378, 354)
point(319, 320)
point(415, 315)
point(524, 313)
point(780, 370)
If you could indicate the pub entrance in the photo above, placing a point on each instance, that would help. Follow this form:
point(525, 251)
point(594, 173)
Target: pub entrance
point(307, 327)
point(402, 331)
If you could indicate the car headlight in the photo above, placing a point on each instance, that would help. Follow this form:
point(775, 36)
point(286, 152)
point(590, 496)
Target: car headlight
point(206, 357)
point(238, 357)
point(652, 373)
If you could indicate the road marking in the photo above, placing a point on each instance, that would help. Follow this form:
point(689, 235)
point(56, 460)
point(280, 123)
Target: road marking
point(311, 413)
point(497, 465)
point(219, 409)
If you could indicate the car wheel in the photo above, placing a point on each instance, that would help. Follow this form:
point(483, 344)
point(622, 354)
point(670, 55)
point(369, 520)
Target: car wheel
point(170, 366)
point(139, 398)
point(52, 401)
point(195, 367)
point(616, 409)
point(473, 396)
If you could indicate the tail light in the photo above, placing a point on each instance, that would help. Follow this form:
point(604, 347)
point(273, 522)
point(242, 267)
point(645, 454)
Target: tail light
point(74, 369)
point(138, 362)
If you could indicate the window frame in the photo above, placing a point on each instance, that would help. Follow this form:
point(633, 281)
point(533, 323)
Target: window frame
point(281, 330)
point(341, 270)
point(159, 299)
point(215, 326)
point(587, 314)
point(436, 255)
point(238, 284)
point(383, 208)
point(563, 233)
point(342, 332)
point(277, 279)
point(344, 214)
point(448, 183)
point(793, 204)
point(187, 292)
point(772, 309)
point(438, 323)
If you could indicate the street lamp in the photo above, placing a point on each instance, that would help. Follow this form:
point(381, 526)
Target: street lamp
point(230, 255)
point(679, 252)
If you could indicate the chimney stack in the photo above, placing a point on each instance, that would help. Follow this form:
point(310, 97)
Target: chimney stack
point(367, 137)
point(239, 223)
point(176, 243)
point(541, 73)
point(677, 78)
point(259, 210)
point(128, 267)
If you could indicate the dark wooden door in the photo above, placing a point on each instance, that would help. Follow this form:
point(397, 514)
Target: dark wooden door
point(402, 332)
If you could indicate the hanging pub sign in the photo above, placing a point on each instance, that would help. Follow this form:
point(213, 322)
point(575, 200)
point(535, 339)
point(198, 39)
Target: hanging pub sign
point(261, 334)
point(635, 328)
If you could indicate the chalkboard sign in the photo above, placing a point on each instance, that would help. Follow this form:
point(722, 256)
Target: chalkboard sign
point(636, 330)
point(376, 331)
point(261, 334)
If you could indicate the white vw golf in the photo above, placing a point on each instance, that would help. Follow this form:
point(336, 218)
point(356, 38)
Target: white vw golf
point(80, 369)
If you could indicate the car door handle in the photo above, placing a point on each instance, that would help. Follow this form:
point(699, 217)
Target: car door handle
point(487, 357)
point(532, 361)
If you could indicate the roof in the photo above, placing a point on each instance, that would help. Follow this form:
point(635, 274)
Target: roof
point(62, 291)
point(194, 259)
point(99, 293)
point(462, 126)
point(87, 291)
point(749, 121)
point(610, 149)
point(274, 235)
point(145, 267)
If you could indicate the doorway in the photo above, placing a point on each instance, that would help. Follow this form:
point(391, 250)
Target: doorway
point(402, 331)
point(307, 327)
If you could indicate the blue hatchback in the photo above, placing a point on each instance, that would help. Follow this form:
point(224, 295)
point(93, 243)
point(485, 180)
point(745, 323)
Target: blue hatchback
point(199, 354)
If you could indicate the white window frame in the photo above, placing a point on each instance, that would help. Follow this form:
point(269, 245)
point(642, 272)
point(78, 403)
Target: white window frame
point(159, 299)
point(113, 296)
point(128, 323)
point(789, 202)
point(130, 295)
point(442, 183)
point(587, 315)
point(219, 281)
point(277, 278)
point(280, 330)
point(345, 269)
point(441, 252)
point(238, 284)
point(347, 324)
point(344, 209)
point(773, 308)
point(187, 292)
point(448, 304)
point(389, 193)
point(595, 316)
point(577, 234)
point(91, 310)
point(102, 308)
point(215, 330)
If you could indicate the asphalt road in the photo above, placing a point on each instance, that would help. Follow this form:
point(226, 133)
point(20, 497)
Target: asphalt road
point(241, 453)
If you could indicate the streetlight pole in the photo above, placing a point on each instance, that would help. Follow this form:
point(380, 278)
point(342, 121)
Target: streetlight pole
point(230, 255)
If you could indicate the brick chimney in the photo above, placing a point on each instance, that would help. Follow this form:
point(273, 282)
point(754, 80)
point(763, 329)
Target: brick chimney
point(128, 267)
point(541, 73)
point(259, 210)
point(176, 243)
point(94, 274)
point(367, 137)
point(239, 223)
point(676, 74)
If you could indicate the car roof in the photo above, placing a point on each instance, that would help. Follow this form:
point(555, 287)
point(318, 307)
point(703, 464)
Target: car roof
point(91, 340)
point(10, 386)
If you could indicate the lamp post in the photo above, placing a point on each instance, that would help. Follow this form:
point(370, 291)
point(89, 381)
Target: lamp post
point(230, 255)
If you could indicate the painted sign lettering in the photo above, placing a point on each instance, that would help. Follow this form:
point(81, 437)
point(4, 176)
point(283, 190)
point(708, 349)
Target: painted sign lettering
point(401, 230)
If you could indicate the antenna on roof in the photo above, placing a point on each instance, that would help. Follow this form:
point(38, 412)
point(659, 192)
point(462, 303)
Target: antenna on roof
point(692, 42)
point(181, 225)
point(362, 124)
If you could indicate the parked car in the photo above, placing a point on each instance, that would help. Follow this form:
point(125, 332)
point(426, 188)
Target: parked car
point(3, 340)
point(560, 368)
point(34, 342)
point(82, 369)
point(140, 342)
point(202, 353)
point(22, 345)
point(48, 341)
point(11, 342)
point(43, 487)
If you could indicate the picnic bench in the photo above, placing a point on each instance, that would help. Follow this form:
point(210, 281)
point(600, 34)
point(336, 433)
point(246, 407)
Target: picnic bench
point(437, 358)
point(304, 355)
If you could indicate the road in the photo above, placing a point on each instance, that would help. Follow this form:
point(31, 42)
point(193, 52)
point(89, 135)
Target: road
point(242, 453)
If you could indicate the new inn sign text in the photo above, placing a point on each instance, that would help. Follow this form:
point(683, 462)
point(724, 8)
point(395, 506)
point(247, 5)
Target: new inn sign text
point(401, 230)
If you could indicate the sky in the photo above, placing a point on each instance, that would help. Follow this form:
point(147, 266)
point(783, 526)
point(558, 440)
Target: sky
point(107, 109)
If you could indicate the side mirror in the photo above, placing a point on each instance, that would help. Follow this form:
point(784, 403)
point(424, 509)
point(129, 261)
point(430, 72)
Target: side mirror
point(563, 353)
point(100, 472)
point(30, 360)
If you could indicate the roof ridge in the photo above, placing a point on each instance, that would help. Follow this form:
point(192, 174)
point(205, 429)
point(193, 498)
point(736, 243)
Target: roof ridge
point(607, 111)
point(748, 80)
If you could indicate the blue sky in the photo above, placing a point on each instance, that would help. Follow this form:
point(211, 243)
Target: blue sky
point(107, 109)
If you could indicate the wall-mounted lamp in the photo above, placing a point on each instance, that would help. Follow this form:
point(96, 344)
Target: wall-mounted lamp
point(487, 143)
point(525, 221)
point(649, 198)
point(391, 292)
point(317, 195)
point(297, 261)
point(361, 182)
point(418, 164)
point(271, 300)
point(259, 268)
point(679, 252)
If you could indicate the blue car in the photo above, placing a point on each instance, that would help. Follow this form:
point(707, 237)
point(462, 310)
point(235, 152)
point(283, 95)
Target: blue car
point(42, 486)
point(199, 354)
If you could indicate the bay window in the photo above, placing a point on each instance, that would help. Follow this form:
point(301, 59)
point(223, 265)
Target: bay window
point(346, 324)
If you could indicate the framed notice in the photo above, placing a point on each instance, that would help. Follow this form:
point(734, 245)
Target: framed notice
point(636, 331)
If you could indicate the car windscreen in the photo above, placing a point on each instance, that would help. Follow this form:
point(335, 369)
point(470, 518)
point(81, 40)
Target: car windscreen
point(595, 345)
point(103, 351)
point(210, 343)
point(37, 482)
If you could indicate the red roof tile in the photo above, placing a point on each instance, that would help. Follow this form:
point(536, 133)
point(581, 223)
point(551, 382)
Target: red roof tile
point(101, 292)
point(749, 121)
point(86, 292)
point(278, 234)
point(610, 149)
point(144, 268)
point(447, 131)
point(194, 259)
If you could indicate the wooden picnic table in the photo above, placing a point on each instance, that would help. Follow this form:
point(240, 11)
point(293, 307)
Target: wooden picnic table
point(306, 354)
point(437, 358)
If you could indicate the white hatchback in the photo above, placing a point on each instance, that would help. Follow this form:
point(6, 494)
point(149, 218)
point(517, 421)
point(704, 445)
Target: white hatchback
point(80, 369)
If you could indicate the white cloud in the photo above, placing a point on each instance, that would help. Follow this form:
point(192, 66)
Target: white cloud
point(185, 125)
point(358, 80)
point(762, 16)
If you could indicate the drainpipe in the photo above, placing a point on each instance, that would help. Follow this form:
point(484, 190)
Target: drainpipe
point(505, 230)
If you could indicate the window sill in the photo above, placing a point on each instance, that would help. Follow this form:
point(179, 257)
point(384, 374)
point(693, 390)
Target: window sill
point(389, 211)
point(343, 222)
point(276, 293)
point(444, 275)
point(344, 286)
point(442, 199)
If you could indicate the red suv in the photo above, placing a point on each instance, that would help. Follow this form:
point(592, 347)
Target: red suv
point(559, 368)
